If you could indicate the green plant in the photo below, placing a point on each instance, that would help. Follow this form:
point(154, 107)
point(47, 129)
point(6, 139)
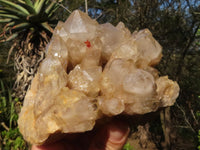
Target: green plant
point(198, 140)
point(127, 146)
point(29, 25)
point(26, 17)
point(7, 106)
point(198, 135)
point(9, 132)
point(12, 140)
point(198, 114)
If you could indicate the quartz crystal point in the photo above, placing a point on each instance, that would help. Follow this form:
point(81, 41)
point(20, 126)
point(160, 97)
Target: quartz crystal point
point(92, 71)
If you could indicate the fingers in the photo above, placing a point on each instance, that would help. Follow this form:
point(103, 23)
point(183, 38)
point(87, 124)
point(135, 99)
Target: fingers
point(112, 137)
point(47, 147)
point(55, 146)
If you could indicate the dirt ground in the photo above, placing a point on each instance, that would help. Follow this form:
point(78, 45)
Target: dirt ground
point(178, 144)
point(136, 144)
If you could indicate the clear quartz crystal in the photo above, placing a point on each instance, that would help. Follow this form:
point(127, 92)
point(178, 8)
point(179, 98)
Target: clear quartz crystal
point(86, 80)
point(167, 91)
point(125, 32)
point(150, 49)
point(91, 71)
point(80, 26)
point(111, 39)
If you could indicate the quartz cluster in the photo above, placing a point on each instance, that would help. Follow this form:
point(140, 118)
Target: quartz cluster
point(90, 71)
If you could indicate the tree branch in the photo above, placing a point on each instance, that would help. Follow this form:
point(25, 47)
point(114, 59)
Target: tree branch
point(185, 118)
point(4, 125)
point(181, 60)
point(86, 7)
point(10, 52)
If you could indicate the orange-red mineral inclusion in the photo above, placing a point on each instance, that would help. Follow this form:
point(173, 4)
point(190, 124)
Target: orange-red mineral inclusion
point(87, 43)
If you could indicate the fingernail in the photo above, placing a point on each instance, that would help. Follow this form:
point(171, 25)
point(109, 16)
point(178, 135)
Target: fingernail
point(118, 132)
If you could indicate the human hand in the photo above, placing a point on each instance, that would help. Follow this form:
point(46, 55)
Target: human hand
point(111, 137)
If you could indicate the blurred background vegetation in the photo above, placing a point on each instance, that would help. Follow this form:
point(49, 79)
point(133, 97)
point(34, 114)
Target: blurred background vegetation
point(26, 27)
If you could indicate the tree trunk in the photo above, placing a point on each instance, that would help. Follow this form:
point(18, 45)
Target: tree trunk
point(27, 60)
point(165, 117)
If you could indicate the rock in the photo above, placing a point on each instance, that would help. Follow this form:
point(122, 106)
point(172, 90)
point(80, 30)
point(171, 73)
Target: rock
point(92, 71)
point(80, 26)
point(111, 39)
point(149, 49)
point(85, 80)
point(167, 91)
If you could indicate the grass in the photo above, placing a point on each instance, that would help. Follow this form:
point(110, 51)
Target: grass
point(10, 137)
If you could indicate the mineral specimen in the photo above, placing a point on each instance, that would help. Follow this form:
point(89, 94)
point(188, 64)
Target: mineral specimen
point(91, 71)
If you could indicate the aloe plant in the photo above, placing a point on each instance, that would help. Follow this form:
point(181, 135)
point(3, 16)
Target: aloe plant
point(26, 15)
point(29, 24)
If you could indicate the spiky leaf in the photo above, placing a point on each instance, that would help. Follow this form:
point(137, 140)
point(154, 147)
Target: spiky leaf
point(13, 12)
point(29, 2)
point(20, 26)
point(8, 16)
point(5, 20)
point(14, 6)
point(30, 9)
point(47, 27)
point(39, 6)
point(13, 36)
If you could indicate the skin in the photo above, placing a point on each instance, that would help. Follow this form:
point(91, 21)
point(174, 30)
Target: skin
point(110, 137)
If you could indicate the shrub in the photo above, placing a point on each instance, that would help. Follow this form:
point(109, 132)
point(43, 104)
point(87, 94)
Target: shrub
point(10, 137)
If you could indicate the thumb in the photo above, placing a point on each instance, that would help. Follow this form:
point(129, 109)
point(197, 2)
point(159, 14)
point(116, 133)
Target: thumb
point(111, 137)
